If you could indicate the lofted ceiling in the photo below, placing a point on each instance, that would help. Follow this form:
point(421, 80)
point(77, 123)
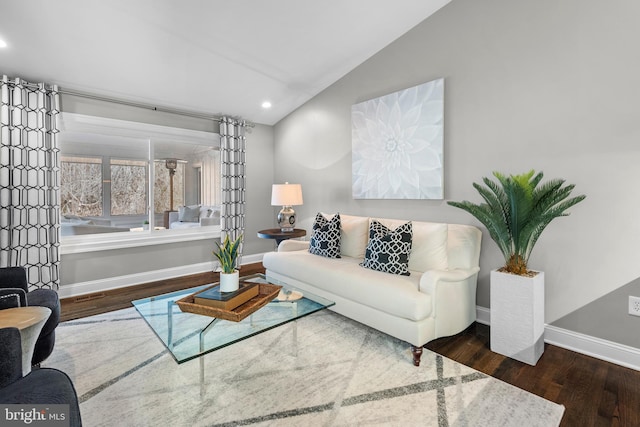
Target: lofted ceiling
point(205, 56)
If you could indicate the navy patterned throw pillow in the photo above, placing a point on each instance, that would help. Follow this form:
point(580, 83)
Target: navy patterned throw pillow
point(325, 236)
point(388, 250)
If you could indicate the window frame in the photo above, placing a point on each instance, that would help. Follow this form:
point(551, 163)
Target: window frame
point(74, 126)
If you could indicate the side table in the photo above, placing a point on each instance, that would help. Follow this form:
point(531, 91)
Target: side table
point(279, 236)
point(29, 320)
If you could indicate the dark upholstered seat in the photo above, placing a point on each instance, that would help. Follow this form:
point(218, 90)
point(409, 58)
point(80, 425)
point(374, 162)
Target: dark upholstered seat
point(14, 292)
point(41, 386)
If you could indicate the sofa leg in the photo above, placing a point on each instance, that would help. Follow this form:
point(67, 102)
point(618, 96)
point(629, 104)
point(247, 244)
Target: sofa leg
point(417, 354)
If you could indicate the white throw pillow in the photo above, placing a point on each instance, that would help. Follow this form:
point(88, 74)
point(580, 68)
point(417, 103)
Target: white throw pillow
point(188, 213)
point(354, 235)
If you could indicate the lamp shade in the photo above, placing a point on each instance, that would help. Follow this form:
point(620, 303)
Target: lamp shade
point(286, 194)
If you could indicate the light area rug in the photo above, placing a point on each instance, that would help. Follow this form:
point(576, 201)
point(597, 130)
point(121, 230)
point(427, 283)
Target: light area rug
point(337, 373)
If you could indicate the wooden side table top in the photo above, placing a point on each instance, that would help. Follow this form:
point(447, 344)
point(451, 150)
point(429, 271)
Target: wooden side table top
point(276, 233)
point(23, 317)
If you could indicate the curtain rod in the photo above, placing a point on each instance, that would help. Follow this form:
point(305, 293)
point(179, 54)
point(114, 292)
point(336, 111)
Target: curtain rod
point(129, 103)
point(137, 104)
point(146, 106)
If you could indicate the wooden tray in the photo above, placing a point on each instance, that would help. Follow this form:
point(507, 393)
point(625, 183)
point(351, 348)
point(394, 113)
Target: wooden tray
point(266, 294)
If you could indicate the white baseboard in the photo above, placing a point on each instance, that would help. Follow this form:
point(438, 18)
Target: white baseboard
point(83, 288)
point(599, 348)
point(483, 315)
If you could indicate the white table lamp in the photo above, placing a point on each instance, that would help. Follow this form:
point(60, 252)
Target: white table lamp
point(286, 195)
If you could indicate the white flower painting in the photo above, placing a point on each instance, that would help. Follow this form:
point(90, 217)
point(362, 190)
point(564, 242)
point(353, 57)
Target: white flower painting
point(397, 144)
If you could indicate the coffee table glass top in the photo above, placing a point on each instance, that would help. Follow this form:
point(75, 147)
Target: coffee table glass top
point(188, 336)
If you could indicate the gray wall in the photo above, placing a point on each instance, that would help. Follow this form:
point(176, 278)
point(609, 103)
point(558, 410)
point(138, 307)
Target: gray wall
point(607, 317)
point(77, 268)
point(549, 85)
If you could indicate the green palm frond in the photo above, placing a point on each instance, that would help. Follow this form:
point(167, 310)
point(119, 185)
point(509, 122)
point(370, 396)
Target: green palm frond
point(517, 209)
point(494, 223)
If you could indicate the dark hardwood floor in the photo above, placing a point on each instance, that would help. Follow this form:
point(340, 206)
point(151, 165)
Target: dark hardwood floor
point(594, 392)
point(102, 302)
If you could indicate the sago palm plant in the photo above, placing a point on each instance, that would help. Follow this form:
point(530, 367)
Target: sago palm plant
point(516, 211)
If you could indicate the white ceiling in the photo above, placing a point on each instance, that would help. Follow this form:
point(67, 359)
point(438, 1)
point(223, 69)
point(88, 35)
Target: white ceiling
point(206, 56)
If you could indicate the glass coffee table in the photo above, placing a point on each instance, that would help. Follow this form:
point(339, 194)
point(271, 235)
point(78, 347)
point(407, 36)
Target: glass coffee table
point(189, 336)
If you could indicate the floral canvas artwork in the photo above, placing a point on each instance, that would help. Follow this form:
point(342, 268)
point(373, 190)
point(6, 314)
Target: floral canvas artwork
point(397, 144)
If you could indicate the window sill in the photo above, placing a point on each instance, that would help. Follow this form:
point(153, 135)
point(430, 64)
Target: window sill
point(102, 242)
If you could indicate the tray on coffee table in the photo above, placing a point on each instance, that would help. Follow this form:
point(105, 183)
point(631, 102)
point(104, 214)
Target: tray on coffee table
point(266, 293)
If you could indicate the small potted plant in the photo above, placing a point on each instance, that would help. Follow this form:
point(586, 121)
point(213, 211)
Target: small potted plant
point(516, 210)
point(227, 254)
point(145, 224)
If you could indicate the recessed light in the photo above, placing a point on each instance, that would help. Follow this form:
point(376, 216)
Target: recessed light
point(266, 104)
point(3, 43)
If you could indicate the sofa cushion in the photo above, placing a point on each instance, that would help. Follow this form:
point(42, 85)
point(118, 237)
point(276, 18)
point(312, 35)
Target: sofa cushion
point(429, 245)
point(325, 236)
point(354, 235)
point(392, 294)
point(388, 250)
point(188, 213)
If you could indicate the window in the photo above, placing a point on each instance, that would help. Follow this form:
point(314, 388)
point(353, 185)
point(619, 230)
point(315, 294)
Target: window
point(128, 187)
point(81, 186)
point(121, 185)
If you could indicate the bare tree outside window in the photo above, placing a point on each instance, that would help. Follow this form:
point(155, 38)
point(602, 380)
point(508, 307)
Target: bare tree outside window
point(81, 186)
point(128, 187)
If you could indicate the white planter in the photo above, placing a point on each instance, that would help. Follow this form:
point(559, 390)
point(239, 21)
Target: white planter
point(517, 316)
point(229, 282)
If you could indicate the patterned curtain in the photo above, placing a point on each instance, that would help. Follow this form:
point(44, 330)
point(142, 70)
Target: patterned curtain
point(232, 164)
point(29, 180)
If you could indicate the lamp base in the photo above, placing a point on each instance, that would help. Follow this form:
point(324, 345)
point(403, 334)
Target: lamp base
point(286, 219)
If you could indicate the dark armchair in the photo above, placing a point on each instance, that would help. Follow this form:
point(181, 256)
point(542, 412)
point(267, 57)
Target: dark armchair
point(14, 292)
point(42, 386)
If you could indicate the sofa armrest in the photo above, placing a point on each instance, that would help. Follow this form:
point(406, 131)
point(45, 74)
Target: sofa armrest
point(453, 294)
point(293, 245)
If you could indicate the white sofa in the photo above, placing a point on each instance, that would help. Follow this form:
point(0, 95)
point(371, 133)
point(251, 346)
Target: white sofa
point(207, 215)
point(437, 299)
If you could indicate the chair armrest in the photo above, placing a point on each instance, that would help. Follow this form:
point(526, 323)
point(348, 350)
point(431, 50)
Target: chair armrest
point(453, 295)
point(13, 277)
point(12, 297)
point(46, 298)
point(293, 245)
point(10, 356)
